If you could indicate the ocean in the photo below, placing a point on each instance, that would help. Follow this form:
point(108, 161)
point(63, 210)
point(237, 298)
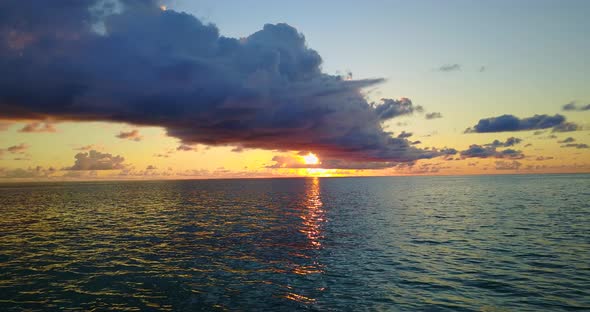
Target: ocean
point(469, 243)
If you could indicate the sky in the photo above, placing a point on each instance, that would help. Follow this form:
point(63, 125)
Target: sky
point(128, 89)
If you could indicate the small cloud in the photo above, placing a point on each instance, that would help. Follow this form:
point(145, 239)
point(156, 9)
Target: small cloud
point(131, 135)
point(433, 115)
point(571, 106)
point(404, 135)
point(31, 172)
point(482, 69)
point(94, 160)
point(449, 68)
point(507, 165)
point(238, 149)
point(186, 148)
point(567, 140)
point(17, 149)
point(511, 141)
point(490, 151)
point(390, 108)
point(85, 147)
point(37, 127)
point(150, 167)
point(4, 125)
point(542, 158)
point(576, 145)
point(566, 127)
point(510, 123)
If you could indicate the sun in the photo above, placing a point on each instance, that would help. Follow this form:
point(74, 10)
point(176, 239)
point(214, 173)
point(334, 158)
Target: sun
point(311, 159)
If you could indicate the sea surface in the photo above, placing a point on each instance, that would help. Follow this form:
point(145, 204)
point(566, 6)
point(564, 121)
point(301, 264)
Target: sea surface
point(478, 243)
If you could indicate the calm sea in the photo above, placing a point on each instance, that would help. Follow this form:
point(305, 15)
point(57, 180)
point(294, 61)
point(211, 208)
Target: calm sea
point(488, 243)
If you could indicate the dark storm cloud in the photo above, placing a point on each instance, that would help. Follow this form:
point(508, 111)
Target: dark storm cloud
point(94, 160)
point(506, 123)
point(130, 135)
point(129, 61)
point(433, 115)
point(572, 106)
point(449, 67)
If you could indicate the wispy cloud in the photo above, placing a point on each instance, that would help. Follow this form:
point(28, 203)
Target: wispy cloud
point(38, 126)
point(433, 115)
point(130, 135)
point(449, 67)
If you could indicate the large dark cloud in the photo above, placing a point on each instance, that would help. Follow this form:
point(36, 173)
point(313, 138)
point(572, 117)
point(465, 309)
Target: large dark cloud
point(129, 61)
point(508, 123)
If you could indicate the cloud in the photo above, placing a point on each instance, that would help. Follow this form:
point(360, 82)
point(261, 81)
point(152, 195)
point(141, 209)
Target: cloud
point(37, 127)
point(404, 135)
point(449, 67)
point(94, 160)
point(489, 151)
point(482, 69)
point(566, 127)
point(4, 125)
point(542, 158)
point(130, 135)
point(85, 147)
point(389, 108)
point(508, 165)
point(511, 141)
point(576, 145)
point(186, 148)
point(571, 106)
point(433, 115)
point(567, 140)
point(150, 167)
point(31, 172)
point(17, 149)
point(137, 64)
point(506, 123)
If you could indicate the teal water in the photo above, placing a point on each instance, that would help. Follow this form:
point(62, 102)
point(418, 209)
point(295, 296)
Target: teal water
point(517, 243)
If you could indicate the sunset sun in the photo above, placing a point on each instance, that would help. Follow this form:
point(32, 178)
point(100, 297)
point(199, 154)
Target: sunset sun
point(311, 159)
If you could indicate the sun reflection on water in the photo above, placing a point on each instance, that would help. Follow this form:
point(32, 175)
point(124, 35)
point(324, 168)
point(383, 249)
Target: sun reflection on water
point(314, 216)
